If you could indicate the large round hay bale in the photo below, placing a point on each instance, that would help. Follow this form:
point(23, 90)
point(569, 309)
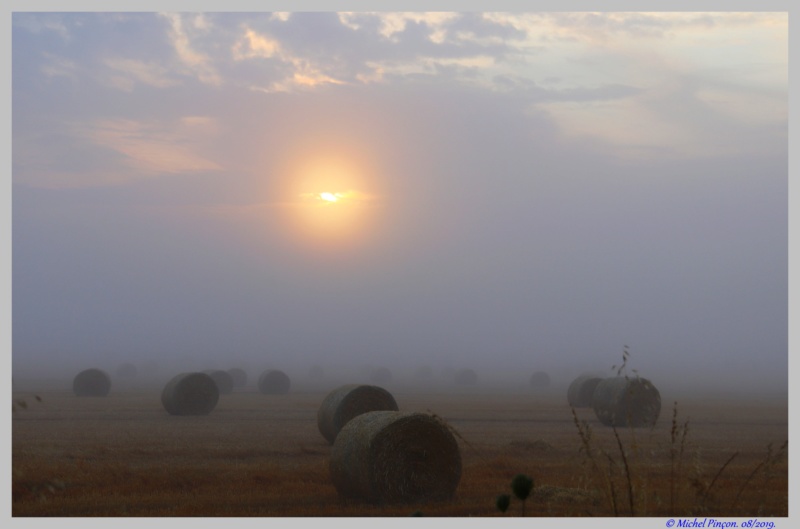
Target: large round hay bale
point(239, 377)
point(380, 375)
point(540, 379)
point(222, 379)
point(580, 391)
point(91, 383)
point(274, 382)
point(348, 401)
point(622, 401)
point(395, 457)
point(465, 377)
point(190, 394)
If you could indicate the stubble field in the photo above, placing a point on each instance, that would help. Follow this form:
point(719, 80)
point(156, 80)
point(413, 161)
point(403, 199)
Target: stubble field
point(263, 456)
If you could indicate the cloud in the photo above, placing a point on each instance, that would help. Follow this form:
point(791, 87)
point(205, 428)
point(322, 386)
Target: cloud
point(684, 116)
point(153, 147)
point(56, 66)
point(599, 28)
point(299, 72)
point(127, 72)
point(197, 63)
point(111, 151)
point(42, 23)
point(252, 45)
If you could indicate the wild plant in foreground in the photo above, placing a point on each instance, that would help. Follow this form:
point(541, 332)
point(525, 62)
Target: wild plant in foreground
point(502, 502)
point(585, 434)
point(22, 404)
point(764, 466)
point(521, 486)
point(676, 451)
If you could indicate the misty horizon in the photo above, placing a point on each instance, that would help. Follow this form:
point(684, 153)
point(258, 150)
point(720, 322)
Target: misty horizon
point(506, 193)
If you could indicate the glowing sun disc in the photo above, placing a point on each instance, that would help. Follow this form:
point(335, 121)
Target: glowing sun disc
point(328, 197)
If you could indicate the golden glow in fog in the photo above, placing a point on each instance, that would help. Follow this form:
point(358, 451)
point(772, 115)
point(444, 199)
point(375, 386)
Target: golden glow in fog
point(329, 197)
point(332, 202)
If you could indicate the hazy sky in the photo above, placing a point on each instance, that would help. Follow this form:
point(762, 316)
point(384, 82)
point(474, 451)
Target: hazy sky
point(467, 189)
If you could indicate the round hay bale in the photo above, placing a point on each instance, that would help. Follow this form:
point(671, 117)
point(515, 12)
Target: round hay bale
point(222, 379)
point(580, 391)
point(395, 457)
point(190, 394)
point(239, 377)
point(540, 379)
point(465, 377)
point(381, 375)
point(348, 401)
point(274, 382)
point(622, 401)
point(91, 383)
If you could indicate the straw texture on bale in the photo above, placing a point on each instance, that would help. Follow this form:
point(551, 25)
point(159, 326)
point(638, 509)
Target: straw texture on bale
point(239, 377)
point(580, 391)
point(190, 394)
point(274, 382)
point(381, 375)
point(622, 401)
point(222, 379)
point(348, 401)
point(91, 383)
point(395, 457)
point(540, 379)
point(465, 377)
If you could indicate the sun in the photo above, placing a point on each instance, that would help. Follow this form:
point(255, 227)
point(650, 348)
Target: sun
point(330, 197)
point(332, 202)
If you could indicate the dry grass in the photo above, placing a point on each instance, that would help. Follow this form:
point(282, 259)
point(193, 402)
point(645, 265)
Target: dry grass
point(124, 455)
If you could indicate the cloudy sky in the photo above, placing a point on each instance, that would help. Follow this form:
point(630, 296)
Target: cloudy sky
point(468, 189)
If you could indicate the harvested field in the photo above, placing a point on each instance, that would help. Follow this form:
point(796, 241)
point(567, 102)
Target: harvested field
point(124, 455)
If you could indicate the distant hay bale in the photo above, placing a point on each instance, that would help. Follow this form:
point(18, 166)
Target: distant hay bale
point(580, 391)
point(622, 401)
point(91, 383)
point(190, 394)
point(447, 373)
point(540, 379)
point(465, 377)
point(274, 382)
point(348, 401)
point(222, 379)
point(239, 377)
point(395, 457)
point(381, 375)
point(127, 371)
